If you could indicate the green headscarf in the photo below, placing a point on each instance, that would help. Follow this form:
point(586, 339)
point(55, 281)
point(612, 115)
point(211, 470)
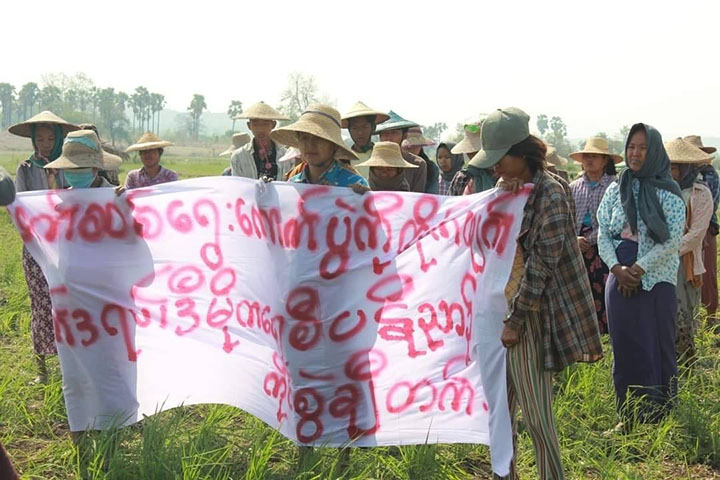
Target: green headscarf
point(654, 174)
point(57, 148)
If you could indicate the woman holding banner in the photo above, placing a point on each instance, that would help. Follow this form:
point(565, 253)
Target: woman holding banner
point(551, 321)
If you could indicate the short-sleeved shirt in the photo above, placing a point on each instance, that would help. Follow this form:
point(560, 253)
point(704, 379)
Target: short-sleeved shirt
point(139, 178)
point(335, 176)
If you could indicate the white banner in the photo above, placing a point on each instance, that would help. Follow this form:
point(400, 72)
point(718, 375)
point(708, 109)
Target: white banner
point(334, 317)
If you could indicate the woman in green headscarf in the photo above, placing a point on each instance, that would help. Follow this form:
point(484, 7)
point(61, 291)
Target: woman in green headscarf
point(47, 131)
point(641, 220)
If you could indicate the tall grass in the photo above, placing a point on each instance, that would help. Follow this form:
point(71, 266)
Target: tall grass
point(221, 442)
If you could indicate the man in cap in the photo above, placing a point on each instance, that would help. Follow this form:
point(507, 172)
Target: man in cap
point(361, 122)
point(395, 130)
point(258, 158)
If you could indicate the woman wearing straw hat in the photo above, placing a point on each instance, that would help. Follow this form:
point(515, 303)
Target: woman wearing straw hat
point(47, 131)
point(471, 179)
point(449, 165)
point(396, 130)
point(599, 172)
point(387, 168)
point(361, 122)
point(415, 143)
point(317, 134)
point(551, 321)
point(258, 158)
point(710, 283)
point(151, 148)
point(641, 219)
point(685, 162)
point(82, 160)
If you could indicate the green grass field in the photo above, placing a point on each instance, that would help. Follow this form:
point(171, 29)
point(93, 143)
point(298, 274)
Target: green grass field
point(222, 442)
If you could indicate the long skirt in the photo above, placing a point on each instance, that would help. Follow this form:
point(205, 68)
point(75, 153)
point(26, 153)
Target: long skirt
point(42, 331)
point(710, 285)
point(642, 332)
point(688, 299)
point(598, 274)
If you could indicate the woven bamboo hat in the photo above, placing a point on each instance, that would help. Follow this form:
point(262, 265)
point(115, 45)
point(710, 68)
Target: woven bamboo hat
point(386, 154)
point(472, 139)
point(82, 149)
point(148, 141)
point(24, 129)
point(292, 153)
point(682, 151)
point(395, 122)
point(552, 157)
point(696, 141)
point(415, 138)
point(362, 110)
point(238, 140)
point(596, 145)
point(262, 111)
point(320, 120)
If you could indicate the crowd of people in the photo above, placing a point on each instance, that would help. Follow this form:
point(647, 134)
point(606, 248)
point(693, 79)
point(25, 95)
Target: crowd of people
point(631, 254)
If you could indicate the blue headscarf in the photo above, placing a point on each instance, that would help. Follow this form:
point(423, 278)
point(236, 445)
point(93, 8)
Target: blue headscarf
point(57, 148)
point(654, 174)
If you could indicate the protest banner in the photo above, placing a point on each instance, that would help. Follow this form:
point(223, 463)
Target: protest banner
point(334, 317)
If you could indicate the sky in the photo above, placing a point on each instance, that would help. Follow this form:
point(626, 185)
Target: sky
point(598, 65)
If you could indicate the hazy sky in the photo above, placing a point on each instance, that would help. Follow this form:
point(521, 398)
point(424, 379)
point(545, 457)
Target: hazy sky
point(598, 65)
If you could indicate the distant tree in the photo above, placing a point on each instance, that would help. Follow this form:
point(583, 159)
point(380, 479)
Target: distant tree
point(435, 131)
point(51, 98)
point(196, 108)
point(234, 110)
point(300, 92)
point(112, 112)
point(141, 108)
point(28, 97)
point(542, 124)
point(157, 102)
point(7, 94)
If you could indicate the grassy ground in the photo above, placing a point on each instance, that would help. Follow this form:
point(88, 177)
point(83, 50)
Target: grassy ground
point(221, 442)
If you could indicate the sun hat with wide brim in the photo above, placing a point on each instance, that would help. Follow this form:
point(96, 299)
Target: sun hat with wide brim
point(320, 120)
point(682, 151)
point(472, 140)
point(262, 111)
point(148, 141)
point(500, 131)
point(82, 149)
point(696, 141)
point(238, 140)
point(552, 157)
point(362, 110)
point(597, 145)
point(24, 129)
point(386, 154)
point(415, 138)
point(394, 122)
point(291, 154)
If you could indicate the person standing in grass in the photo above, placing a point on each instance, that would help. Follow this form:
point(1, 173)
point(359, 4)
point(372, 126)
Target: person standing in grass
point(551, 321)
point(151, 149)
point(47, 131)
point(258, 158)
point(685, 162)
point(599, 172)
point(449, 164)
point(396, 130)
point(641, 219)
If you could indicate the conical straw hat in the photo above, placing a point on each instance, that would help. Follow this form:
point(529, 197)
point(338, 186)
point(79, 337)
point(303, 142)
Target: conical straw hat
point(415, 138)
point(362, 110)
point(682, 151)
point(262, 111)
point(148, 141)
point(472, 139)
point(24, 129)
point(82, 149)
point(696, 141)
point(238, 140)
point(395, 122)
point(552, 157)
point(320, 120)
point(292, 153)
point(596, 145)
point(386, 154)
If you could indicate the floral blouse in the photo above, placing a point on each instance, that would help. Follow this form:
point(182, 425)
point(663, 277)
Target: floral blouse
point(660, 261)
